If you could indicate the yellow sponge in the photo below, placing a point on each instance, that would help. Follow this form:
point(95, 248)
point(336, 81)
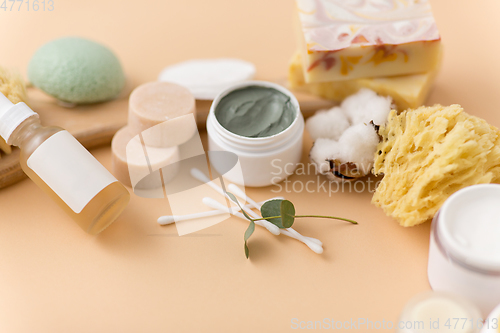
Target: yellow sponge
point(13, 87)
point(428, 154)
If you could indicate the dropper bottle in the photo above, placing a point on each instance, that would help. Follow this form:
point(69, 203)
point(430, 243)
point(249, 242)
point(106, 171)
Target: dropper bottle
point(63, 168)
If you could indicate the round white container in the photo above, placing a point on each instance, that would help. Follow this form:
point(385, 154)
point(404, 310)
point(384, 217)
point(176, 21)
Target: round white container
point(264, 161)
point(434, 312)
point(464, 253)
point(492, 323)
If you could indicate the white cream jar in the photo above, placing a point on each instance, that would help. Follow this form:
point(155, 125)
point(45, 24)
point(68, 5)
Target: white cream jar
point(439, 312)
point(492, 323)
point(464, 254)
point(264, 160)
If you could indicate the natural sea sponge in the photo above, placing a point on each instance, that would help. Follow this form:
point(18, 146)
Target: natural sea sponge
point(77, 70)
point(428, 154)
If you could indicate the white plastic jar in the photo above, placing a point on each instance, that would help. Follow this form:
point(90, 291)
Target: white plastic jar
point(492, 323)
point(437, 312)
point(264, 160)
point(464, 254)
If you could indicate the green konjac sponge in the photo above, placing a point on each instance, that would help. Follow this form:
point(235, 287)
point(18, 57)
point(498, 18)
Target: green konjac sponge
point(76, 70)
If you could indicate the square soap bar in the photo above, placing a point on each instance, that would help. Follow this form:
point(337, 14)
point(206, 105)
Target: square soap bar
point(349, 39)
point(407, 91)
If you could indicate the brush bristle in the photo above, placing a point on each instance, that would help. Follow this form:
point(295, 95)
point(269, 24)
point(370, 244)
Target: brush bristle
point(13, 87)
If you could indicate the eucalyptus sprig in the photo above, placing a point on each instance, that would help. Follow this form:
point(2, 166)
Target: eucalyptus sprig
point(280, 213)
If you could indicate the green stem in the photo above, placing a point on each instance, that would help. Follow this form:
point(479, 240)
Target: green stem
point(319, 216)
point(265, 218)
point(329, 217)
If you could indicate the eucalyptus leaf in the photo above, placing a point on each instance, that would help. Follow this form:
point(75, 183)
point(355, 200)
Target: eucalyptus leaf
point(248, 233)
point(250, 230)
point(272, 208)
point(233, 198)
point(287, 212)
point(247, 251)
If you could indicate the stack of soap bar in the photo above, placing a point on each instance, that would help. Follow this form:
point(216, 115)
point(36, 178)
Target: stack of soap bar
point(133, 161)
point(161, 117)
point(407, 91)
point(166, 104)
point(344, 40)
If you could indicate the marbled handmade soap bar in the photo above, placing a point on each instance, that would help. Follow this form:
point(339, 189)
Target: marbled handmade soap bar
point(348, 39)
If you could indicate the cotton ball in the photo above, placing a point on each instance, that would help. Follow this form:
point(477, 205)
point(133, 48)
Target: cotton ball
point(365, 106)
point(327, 124)
point(358, 145)
point(322, 152)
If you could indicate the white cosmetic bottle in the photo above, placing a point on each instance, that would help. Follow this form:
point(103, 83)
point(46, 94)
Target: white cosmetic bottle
point(63, 168)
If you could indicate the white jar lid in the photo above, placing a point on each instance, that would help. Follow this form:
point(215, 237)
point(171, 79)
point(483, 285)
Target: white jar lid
point(431, 311)
point(469, 226)
point(492, 323)
point(206, 78)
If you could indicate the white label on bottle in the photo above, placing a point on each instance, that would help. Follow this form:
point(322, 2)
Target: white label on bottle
point(69, 170)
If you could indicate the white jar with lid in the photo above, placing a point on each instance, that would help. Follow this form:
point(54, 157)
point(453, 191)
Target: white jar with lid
point(492, 323)
point(437, 312)
point(264, 160)
point(464, 254)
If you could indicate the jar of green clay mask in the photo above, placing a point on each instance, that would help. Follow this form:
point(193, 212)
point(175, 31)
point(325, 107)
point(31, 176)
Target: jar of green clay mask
point(260, 122)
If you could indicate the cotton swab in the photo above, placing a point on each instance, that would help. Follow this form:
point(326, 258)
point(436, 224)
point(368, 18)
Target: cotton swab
point(212, 203)
point(239, 193)
point(197, 174)
point(312, 239)
point(309, 243)
point(169, 219)
point(314, 244)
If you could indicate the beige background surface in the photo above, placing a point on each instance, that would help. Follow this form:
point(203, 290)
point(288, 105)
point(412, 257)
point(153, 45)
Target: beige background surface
point(139, 277)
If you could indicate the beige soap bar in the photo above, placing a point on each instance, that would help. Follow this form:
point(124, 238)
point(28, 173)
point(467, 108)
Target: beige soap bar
point(166, 104)
point(407, 91)
point(137, 165)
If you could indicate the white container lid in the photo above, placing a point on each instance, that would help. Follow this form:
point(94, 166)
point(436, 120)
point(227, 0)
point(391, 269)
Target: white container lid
point(206, 78)
point(492, 323)
point(431, 311)
point(469, 226)
point(11, 116)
